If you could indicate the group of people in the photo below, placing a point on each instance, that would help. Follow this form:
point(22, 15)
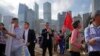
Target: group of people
point(91, 36)
point(19, 42)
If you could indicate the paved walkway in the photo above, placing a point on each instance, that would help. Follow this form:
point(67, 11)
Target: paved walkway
point(38, 52)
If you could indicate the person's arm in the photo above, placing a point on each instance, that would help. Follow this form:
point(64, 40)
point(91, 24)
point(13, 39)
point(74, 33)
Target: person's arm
point(88, 37)
point(11, 34)
point(51, 33)
point(74, 38)
point(34, 36)
point(97, 39)
point(44, 31)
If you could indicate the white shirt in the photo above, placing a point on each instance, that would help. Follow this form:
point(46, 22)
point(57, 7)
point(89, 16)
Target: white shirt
point(26, 36)
point(17, 41)
point(47, 36)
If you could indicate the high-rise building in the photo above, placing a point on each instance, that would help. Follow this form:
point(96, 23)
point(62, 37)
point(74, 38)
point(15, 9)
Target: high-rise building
point(86, 19)
point(0, 18)
point(22, 13)
point(7, 21)
point(42, 23)
point(47, 12)
point(36, 11)
point(30, 18)
point(36, 19)
point(61, 18)
point(55, 25)
point(95, 5)
point(78, 17)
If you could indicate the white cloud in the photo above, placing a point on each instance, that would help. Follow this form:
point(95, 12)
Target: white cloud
point(59, 6)
point(5, 8)
point(12, 5)
point(90, 8)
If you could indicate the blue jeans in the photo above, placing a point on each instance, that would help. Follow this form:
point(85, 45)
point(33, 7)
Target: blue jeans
point(62, 49)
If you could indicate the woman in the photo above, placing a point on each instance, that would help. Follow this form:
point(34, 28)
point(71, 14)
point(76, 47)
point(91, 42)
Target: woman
point(2, 39)
point(56, 42)
point(75, 45)
point(62, 43)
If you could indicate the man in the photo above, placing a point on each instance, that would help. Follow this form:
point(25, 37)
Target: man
point(29, 37)
point(47, 39)
point(2, 40)
point(92, 35)
point(16, 34)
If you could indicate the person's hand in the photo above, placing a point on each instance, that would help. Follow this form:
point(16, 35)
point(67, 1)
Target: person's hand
point(92, 41)
point(82, 47)
point(49, 30)
point(6, 32)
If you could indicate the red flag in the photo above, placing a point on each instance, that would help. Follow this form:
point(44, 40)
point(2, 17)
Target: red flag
point(68, 22)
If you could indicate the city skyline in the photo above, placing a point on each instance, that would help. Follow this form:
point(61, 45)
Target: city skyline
point(57, 6)
point(25, 13)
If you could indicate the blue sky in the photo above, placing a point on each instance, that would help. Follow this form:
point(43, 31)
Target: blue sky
point(81, 6)
point(8, 7)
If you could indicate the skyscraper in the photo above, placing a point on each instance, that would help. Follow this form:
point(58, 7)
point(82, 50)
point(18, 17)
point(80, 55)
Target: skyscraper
point(47, 12)
point(22, 13)
point(36, 11)
point(95, 5)
point(78, 17)
point(86, 19)
point(0, 18)
point(55, 25)
point(30, 18)
point(7, 21)
point(36, 19)
point(61, 18)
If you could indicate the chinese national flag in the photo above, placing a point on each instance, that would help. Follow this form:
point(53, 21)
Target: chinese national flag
point(68, 22)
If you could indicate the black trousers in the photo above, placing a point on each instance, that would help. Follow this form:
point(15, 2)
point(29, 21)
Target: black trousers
point(31, 49)
point(49, 47)
point(95, 53)
point(2, 49)
point(72, 53)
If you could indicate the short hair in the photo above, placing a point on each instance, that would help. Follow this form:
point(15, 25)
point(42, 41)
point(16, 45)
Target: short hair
point(47, 23)
point(27, 23)
point(91, 21)
point(2, 24)
point(15, 20)
point(60, 31)
point(75, 24)
point(96, 13)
